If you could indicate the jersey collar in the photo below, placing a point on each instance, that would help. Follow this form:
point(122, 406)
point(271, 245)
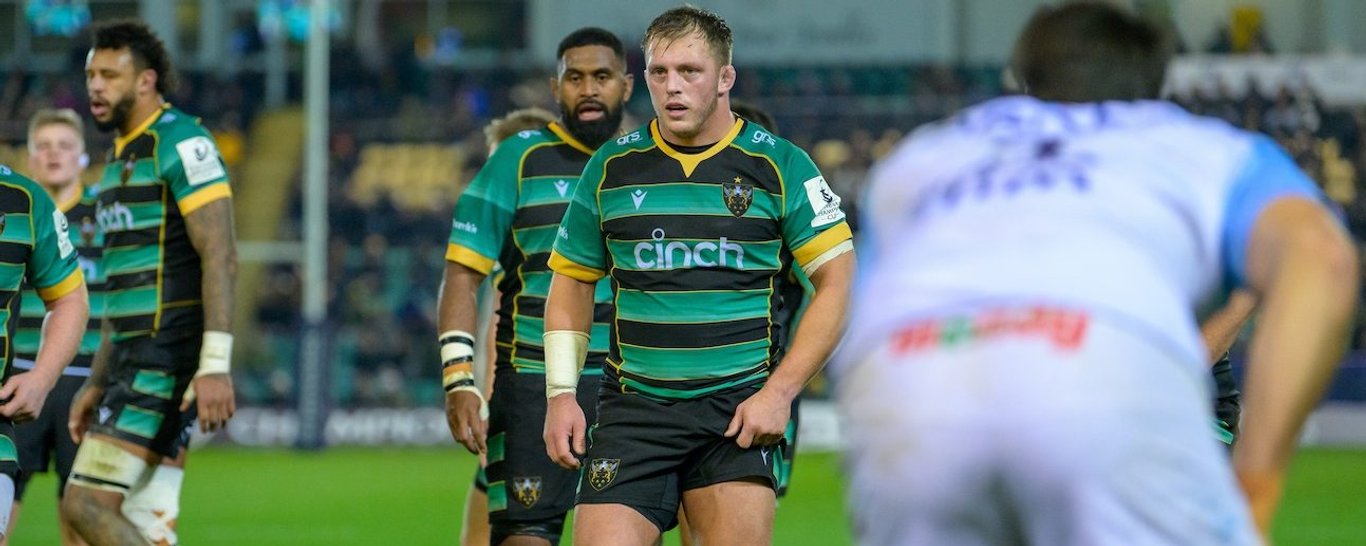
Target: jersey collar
point(123, 140)
point(691, 161)
point(568, 138)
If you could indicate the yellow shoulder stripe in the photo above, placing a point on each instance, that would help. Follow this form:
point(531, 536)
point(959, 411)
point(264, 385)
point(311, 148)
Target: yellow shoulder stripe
point(569, 268)
point(66, 286)
point(821, 243)
point(469, 258)
point(209, 194)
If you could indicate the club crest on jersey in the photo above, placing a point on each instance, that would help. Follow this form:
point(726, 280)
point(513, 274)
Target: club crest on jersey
point(87, 231)
point(127, 171)
point(527, 489)
point(601, 472)
point(738, 196)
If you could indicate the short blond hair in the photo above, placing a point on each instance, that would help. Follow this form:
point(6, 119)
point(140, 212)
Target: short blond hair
point(515, 122)
point(56, 116)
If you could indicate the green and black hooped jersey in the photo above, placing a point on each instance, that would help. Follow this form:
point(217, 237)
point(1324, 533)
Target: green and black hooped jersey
point(158, 173)
point(699, 245)
point(84, 234)
point(34, 250)
point(508, 215)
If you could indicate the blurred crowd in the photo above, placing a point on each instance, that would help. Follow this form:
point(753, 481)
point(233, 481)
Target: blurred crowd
point(386, 251)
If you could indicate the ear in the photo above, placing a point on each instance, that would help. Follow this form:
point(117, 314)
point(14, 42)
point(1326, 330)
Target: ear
point(147, 81)
point(630, 85)
point(726, 81)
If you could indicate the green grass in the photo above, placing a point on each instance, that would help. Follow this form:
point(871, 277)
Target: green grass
point(413, 496)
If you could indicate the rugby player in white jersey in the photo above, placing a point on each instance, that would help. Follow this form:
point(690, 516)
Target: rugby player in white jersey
point(1025, 364)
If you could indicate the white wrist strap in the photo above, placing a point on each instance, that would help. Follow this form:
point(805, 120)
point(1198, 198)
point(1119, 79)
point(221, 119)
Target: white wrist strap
point(215, 354)
point(565, 351)
point(457, 364)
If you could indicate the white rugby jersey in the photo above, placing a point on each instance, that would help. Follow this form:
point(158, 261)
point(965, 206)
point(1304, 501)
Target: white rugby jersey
point(1136, 212)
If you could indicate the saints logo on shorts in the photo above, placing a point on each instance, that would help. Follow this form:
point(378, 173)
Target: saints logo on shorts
point(601, 472)
point(528, 490)
point(738, 196)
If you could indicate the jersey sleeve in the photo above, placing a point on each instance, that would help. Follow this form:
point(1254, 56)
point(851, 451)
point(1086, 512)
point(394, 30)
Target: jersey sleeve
point(52, 269)
point(812, 223)
point(192, 166)
point(580, 251)
point(1268, 176)
point(483, 214)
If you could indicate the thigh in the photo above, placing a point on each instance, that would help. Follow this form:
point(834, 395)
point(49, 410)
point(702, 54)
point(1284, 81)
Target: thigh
point(35, 439)
point(9, 455)
point(141, 405)
point(63, 449)
point(789, 449)
point(636, 451)
point(524, 485)
point(718, 459)
point(738, 512)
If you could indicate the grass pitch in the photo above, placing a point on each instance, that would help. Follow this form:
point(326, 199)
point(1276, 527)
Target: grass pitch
point(414, 496)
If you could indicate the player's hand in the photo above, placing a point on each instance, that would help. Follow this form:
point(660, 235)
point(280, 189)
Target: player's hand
point(463, 409)
point(565, 427)
point(760, 420)
point(215, 399)
point(1263, 490)
point(83, 411)
point(24, 394)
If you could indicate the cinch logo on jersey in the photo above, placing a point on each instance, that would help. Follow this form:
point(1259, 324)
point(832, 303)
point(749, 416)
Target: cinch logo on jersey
point(468, 227)
point(116, 217)
point(1064, 328)
point(677, 254)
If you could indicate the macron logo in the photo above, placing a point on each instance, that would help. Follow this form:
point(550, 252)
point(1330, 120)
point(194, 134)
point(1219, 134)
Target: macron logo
point(562, 186)
point(638, 197)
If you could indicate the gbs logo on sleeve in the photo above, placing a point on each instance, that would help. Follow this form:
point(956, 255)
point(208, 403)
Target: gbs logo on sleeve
point(64, 246)
point(823, 201)
point(633, 137)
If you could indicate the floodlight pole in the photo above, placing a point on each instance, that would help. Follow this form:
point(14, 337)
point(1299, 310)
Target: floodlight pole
point(313, 376)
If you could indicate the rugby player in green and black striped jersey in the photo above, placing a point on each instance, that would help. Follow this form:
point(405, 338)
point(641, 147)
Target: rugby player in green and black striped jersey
point(34, 250)
point(697, 219)
point(56, 159)
point(165, 209)
point(508, 216)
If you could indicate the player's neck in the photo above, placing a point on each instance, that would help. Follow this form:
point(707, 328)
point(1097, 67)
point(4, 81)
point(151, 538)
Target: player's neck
point(63, 192)
point(715, 128)
point(140, 114)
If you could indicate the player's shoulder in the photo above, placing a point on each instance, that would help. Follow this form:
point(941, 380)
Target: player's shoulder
point(180, 134)
point(175, 125)
point(517, 145)
point(12, 178)
point(642, 138)
point(757, 139)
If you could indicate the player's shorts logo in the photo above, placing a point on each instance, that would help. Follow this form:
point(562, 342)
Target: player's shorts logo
point(738, 196)
point(601, 472)
point(527, 489)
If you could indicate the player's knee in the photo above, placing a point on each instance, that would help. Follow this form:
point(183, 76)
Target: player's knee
point(541, 533)
point(101, 465)
point(81, 507)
